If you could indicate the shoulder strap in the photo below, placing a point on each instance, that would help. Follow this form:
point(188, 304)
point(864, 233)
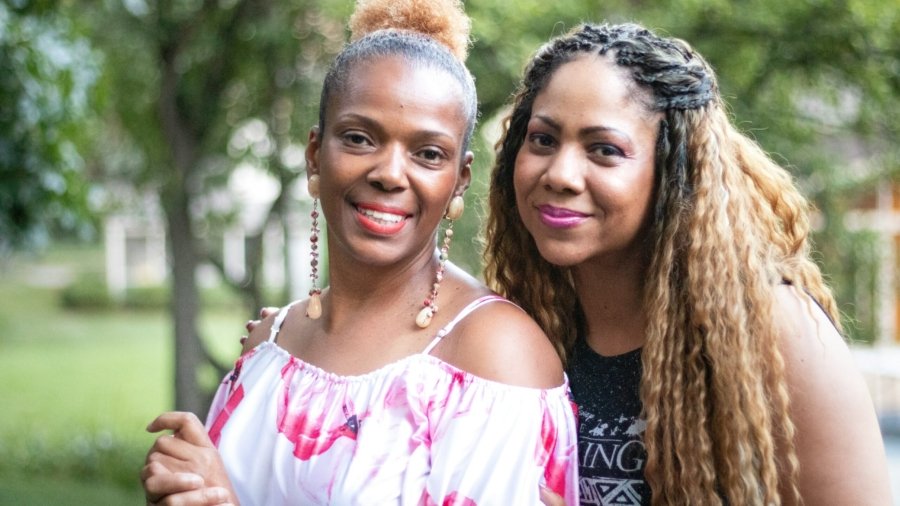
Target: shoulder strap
point(279, 320)
point(475, 304)
point(785, 281)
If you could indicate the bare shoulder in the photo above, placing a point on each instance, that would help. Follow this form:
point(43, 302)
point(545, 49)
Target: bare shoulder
point(500, 342)
point(808, 337)
point(818, 363)
point(836, 426)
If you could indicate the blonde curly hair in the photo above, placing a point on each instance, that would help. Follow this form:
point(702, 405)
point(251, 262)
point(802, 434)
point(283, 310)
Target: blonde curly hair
point(729, 225)
point(443, 20)
point(434, 33)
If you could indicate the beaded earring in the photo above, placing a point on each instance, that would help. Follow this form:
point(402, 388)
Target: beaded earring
point(454, 211)
point(314, 308)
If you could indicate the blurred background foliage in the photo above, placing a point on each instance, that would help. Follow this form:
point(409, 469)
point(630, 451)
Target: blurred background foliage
point(105, 100)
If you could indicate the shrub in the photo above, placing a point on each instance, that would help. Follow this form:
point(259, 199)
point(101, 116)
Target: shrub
point(148, 297)
point(88, 291)
point(86, 456)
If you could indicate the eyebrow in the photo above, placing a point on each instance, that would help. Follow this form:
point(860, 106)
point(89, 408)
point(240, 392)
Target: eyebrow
point(352, 116)
point(371, 123)
point(584, 131)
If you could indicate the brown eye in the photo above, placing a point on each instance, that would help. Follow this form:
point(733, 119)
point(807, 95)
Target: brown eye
point(606, 150)
point(431, 156)
point(355, 138)
point(541, 140)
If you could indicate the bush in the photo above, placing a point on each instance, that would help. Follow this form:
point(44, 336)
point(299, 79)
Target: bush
point(149, 297)
point(99, 456)
point(88, 291)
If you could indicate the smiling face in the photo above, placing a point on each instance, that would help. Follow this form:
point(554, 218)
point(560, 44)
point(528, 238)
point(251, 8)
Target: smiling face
point(584, 176)
point(389, 159)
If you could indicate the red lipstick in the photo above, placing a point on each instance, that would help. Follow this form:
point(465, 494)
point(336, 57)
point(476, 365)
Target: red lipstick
point(379, 219)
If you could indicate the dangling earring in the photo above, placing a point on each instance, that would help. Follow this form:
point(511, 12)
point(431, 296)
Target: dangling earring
point(314, 308)
point(454, 211)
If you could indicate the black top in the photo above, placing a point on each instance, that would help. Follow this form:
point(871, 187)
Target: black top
point(611, 453)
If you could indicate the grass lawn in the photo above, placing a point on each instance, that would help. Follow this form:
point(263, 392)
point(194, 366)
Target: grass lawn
point(43, 491)
point(78, 388)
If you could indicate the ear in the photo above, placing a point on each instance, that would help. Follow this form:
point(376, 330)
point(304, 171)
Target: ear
point(312, 151)
point(465, 173)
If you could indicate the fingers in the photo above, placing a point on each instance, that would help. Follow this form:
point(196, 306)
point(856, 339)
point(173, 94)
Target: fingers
point(159, 482)
point(162, 487)
point(177, 464)
point(184, 425)
point(263, 314)
point(549, 498)
point(171, 464)
point(177, 448)
point(252, 324)
point(208, 496)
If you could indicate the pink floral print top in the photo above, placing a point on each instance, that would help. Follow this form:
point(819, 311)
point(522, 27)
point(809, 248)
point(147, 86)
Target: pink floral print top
point(418, 431)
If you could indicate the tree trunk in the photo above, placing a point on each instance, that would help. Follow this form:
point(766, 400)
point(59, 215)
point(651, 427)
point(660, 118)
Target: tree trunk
point(185, 307)
point(185, 299)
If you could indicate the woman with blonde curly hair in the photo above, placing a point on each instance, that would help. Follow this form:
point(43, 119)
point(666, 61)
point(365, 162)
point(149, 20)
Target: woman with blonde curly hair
point(363, 394)
point(667, 257)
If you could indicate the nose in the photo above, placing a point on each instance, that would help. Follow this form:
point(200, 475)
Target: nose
point(565, 171)
point(389, 171)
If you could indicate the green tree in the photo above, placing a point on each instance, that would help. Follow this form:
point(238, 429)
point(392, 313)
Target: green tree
point(815, 82)
point(183, 77)
point(47, 73)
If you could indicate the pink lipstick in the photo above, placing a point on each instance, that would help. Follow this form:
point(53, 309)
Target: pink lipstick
point(558, 217)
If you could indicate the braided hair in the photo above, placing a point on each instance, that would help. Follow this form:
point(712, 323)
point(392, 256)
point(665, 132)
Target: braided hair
point(728, 225)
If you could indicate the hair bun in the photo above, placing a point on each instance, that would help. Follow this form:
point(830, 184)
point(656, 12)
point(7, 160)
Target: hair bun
point(442, 20)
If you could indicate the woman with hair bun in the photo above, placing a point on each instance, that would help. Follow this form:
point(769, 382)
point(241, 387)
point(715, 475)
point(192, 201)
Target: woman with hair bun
point(406, 381)
point(667, 257)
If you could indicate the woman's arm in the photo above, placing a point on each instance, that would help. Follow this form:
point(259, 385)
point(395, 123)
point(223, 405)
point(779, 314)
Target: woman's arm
point(184, 468)
point(838, 442)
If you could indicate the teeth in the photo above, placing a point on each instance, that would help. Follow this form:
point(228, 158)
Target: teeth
point(380, 216)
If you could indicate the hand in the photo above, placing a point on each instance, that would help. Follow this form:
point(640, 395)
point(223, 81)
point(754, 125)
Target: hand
point(184, 468)
point(252, 324)
point(165, 488)
point(549, 498)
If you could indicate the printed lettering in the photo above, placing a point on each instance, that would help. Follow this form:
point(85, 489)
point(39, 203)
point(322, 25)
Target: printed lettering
point(632, 450)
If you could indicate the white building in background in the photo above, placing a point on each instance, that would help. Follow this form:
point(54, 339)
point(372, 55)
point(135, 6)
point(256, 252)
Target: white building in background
point(135, 238)
point(135, 246)
point(880, 213)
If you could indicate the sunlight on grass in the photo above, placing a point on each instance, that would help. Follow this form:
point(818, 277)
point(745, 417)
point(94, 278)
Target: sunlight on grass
point(80, 386)
point(101, 371)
